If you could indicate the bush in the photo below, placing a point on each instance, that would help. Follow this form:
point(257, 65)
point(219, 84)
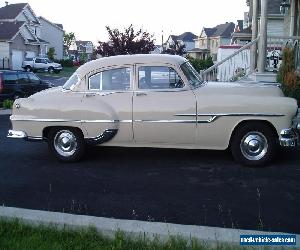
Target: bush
point(66, 62)
point(199, 64)
point(288, 76)
point(7, 104)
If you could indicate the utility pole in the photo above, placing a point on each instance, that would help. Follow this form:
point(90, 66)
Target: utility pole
point(262, 43)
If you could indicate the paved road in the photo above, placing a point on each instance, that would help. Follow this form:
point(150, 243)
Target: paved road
point(178, 186)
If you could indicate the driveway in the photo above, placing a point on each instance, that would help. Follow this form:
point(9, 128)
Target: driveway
point(178, 186)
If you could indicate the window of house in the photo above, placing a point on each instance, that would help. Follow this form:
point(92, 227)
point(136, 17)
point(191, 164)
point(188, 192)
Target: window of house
point(159, 77)
point(113, 79)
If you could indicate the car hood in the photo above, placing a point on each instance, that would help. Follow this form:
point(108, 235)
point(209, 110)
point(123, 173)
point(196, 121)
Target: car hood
point(247, 89)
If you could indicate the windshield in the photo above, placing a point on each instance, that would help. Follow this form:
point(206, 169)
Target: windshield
point(191, 74)
point(73, 80)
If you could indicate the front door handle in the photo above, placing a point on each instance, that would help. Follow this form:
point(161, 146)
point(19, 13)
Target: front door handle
point(141, 94)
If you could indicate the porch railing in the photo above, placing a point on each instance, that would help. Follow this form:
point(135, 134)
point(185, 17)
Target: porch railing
point(275, 46)
point(4, 63)
point(233, 67)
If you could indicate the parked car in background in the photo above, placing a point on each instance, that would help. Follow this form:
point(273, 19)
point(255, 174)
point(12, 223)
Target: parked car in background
point(157, 101)
point(40, 63)
point(16, 84)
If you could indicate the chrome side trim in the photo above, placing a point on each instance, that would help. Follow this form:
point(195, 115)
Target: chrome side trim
point(166, 121)
point(106, 136)
point(69, 120)
point(233, 114)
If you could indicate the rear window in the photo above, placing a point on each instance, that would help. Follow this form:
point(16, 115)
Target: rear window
point(10, 78)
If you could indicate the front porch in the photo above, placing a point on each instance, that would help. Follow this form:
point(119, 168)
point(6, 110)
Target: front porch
point(259, 60)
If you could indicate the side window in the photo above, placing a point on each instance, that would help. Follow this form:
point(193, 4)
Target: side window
point(33, 78)
point(114, 79)
point(10, 78)
point(159, 77)
point(23, 78)
point(38, 60)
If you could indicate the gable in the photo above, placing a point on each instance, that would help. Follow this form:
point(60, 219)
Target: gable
point(11, 11)
point(28, 15)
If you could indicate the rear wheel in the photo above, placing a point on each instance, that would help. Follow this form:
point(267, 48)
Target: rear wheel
point(67, 144)
point(51, 70)
point(254, 144)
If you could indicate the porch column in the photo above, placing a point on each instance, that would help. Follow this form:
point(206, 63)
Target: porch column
point(292, 21)
point(262, 43)
point(253, 55)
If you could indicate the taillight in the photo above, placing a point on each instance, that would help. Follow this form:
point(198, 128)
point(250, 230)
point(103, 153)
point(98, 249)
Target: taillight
point(1, 83)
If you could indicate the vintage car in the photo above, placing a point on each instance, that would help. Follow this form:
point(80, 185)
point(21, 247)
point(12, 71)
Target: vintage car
point(157, 101)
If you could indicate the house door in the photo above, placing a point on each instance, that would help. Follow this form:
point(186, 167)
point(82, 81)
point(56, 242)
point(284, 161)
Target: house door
point(17, 59)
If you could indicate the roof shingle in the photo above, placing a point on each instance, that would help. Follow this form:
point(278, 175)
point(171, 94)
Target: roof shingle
point(11, 11)
point(9, 29)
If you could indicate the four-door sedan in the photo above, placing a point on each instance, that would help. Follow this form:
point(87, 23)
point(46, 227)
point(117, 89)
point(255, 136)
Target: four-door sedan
point(157, 101)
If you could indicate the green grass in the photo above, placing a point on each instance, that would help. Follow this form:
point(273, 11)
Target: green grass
point(66, 72)
point(15, 235)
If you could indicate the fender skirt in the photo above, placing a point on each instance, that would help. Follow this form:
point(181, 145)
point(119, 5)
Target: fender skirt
point(106, 136)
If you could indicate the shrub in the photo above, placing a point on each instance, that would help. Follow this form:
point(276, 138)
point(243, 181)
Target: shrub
point(66, 62)
point(7, 104)
point(51, 53)
point(199, 64)
point(288, 76)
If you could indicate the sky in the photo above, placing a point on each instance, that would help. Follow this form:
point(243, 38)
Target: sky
point(88, 18)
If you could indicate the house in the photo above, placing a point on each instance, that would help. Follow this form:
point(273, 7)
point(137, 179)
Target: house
point(84, 50)
point(211, 39)
point(275, 22)
point(157, 49)
point(24, 35)
point(186, 38)
point(53, 33)
point(242, 33)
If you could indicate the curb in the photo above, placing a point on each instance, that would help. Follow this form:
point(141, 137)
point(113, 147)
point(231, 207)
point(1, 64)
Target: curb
point(5, 111)
point(132, 228)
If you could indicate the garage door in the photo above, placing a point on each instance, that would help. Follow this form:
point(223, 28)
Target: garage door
point(30, 54)
point(17, 59)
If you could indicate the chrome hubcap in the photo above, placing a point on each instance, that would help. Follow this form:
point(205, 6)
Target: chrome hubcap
point(65, 143)
point(254, 146)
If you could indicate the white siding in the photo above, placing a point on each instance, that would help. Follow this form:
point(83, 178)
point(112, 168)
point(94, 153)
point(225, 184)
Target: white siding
point(54, 36)
point(275, 27)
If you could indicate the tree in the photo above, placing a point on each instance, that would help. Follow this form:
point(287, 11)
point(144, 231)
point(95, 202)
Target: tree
point(200, 64)
point(176, 48)
point(69, 39)
point(51, 53)
point(126, 42)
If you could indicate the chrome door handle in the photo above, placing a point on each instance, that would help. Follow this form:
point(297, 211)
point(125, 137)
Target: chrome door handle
point(141, 94)
point(90, 94)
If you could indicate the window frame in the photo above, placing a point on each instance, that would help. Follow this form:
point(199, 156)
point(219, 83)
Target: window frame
point(99, 71)
point(174, 67)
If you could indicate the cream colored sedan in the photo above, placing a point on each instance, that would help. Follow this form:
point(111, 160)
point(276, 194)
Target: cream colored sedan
point(157, 101)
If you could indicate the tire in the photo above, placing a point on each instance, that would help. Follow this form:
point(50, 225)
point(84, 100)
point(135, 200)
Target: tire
point(56, 71)
point(67, 144)
point(51, 70)
point(254, 144)
point(28, 69)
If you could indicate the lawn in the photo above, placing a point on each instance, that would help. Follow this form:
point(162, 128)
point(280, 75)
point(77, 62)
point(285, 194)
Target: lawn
point(15, 235)
point(66, 72)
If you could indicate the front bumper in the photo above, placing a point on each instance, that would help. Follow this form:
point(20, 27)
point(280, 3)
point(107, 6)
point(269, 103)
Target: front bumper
point(289, 137)
point(14, 134)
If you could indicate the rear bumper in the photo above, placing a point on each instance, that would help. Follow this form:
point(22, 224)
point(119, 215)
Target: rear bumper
point(289, 137)
point(14, 134)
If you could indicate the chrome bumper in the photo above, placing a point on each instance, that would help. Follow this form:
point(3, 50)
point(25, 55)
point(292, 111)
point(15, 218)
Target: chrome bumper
point(289, 137)
point(16, 134)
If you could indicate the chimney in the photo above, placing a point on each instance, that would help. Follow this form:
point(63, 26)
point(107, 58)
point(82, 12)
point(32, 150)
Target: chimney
point(6, 3)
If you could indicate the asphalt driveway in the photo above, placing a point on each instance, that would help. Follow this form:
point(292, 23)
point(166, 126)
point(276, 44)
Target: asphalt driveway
point(178, 186)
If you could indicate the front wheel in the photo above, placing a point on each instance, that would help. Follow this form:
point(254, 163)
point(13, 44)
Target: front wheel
point(67, 144)
point(254, 144)
point(51, 70)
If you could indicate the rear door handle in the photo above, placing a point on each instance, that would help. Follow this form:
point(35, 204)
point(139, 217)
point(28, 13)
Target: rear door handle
point(141, 94)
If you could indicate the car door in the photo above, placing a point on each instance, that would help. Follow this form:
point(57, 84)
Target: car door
point(108, 103)
point(39, 63)
point(162, 104)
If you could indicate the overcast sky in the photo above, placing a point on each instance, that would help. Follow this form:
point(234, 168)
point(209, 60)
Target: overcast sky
point(88, 18)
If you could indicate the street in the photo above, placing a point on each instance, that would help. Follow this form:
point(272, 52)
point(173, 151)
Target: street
point(195, 187)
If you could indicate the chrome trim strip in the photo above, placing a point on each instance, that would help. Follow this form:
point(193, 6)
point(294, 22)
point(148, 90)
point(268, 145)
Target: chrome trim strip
point(233, 114)
point(166, 121)
point(66, 120)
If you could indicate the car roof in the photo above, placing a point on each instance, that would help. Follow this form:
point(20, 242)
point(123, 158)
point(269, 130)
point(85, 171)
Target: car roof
point(128, 59)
